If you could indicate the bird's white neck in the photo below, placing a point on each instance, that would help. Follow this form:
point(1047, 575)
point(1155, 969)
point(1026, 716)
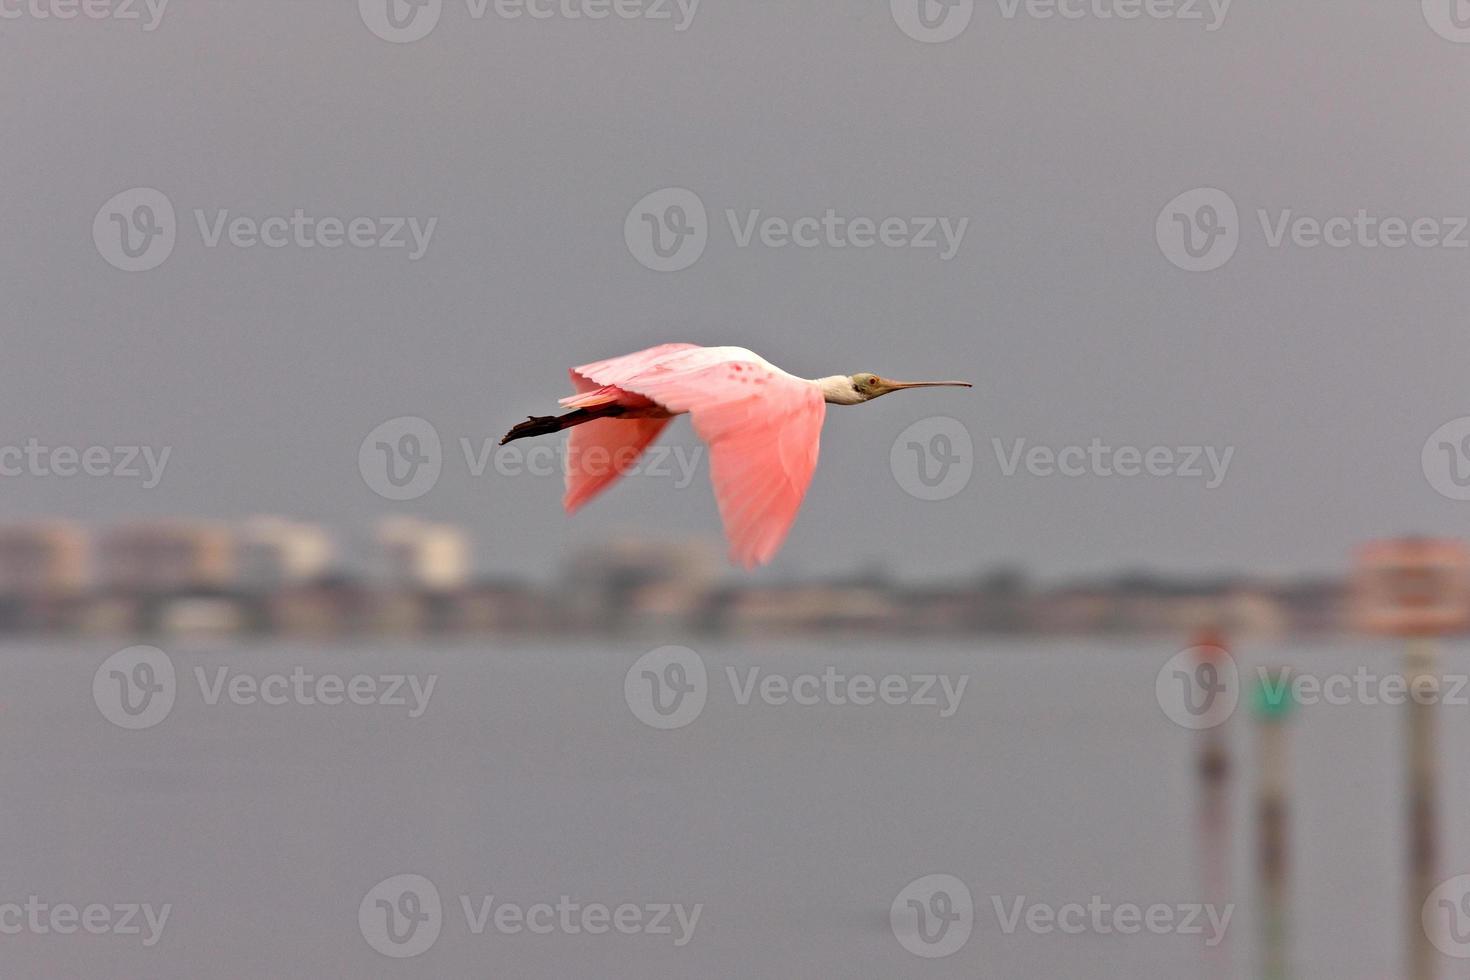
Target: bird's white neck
point(838, 390)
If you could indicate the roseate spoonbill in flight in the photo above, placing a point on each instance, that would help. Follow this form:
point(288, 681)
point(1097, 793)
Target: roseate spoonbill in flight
point(762, 425)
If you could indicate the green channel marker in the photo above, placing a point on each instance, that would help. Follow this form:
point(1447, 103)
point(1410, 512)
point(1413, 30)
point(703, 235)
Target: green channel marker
point(1271, 697)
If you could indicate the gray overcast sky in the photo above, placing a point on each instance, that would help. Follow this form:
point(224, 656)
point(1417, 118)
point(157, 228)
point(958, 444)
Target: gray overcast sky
point(531, 139)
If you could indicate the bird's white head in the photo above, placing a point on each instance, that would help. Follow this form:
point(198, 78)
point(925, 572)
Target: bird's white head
point(854, 389)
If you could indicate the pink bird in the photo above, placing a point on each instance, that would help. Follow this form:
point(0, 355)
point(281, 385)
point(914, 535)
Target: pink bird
point(763, 427)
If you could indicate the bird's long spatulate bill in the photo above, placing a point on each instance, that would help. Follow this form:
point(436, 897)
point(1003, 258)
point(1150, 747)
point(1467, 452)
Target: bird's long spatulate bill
point(896, 385)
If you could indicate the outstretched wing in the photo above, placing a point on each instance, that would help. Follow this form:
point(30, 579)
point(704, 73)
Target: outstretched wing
point(600, 451)
point(615, 370)
point(763, 427)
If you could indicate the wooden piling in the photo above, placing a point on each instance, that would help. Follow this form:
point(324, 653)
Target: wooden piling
point(1416, 588)
point(1213, 771)
point(1420, 663)
point(1273, 816)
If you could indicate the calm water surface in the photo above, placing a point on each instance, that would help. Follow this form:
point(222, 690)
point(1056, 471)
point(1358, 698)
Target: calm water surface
point(527, 777)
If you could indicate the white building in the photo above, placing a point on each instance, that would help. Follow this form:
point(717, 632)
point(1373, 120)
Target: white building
point(418, 554)
point(273, 552)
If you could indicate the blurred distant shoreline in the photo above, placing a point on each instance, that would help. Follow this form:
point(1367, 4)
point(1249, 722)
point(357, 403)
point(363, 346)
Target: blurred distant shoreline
point(274, 576)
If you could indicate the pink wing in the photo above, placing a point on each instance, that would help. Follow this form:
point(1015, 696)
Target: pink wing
point(616, 370)
point(763, 427)
point(599, 452)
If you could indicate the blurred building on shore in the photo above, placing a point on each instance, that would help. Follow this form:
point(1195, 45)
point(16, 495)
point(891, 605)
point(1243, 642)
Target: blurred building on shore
point(170, 575)
point(277, 575)
point(165, 557)
point(421, 555)
point(633, 581)
point(425, 568)
point(45, 568)
point(275, 553)
point(44, 558)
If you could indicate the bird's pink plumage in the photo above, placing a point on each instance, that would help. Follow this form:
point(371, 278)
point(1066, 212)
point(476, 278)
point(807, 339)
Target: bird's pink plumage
point(762, 425)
